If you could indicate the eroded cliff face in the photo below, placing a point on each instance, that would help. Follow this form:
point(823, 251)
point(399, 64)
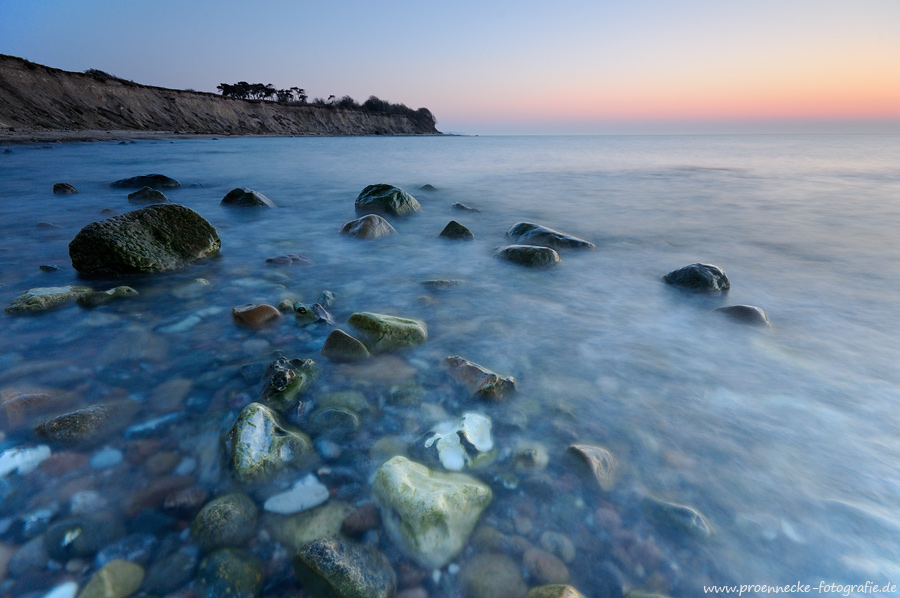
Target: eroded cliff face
point(33, 96)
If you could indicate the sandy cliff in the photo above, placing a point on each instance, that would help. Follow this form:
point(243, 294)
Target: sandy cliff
point(36, 97)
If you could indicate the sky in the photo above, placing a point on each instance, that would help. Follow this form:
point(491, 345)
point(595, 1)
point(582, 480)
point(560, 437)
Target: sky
point(496, 67)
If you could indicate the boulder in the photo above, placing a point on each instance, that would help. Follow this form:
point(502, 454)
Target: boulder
point(479, 381)
point(386, 333)
point(64, 189)
point(341, 347)
point(97, 298)
point(746, 314)
point(147, 195)
point(284, 380)
point(229, 520)
point(158, 181)
point(529, 255)
point(386, 199)
point(455, 230)
point(332, 568)
point(44, 298)
point(535, 234)
point(260, 444)
point(156, 238)
point(371, 226)
point(429, 514)
point(702, 278)
point(247, 198)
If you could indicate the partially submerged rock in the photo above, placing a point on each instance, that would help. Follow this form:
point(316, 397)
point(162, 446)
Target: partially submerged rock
point(535, 234)
point(600, 462)
point(284, 380)
point(64, 189)
point(229, 520)
point(746, 314)
point(455, 230)
point(386, 199)
point(260, 444)
point(306, 314)
point(370, 226)
point(704, 278)
point(247, 198)
point(678, 516)
point(97, 298)
point(158, 181)
point(332, 568)
point(341, 347)
point(479, 381)
point(255, 315)
point(429, 514)
point(386, 333)
point(44, 298)
point(464, 207)
point(88, 424)
point(156, 238)
point(147, 195)
point(529, 255)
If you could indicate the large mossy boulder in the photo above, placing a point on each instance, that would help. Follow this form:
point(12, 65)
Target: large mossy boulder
point(430, 514)
point(386, 199)
point(382, 333)
point(332, 568)
point(535, 234)
point(157, 181)
point(700, 278)
point(260, 444)
point(156, 238)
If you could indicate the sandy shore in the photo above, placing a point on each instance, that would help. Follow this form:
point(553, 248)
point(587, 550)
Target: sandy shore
point(64, 136)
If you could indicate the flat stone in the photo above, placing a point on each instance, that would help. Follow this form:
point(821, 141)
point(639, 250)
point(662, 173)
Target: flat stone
point(88, 424)
point(529, 255)
point(98, 298)
point(118, 579)
point(535, 234)
point(305, 494)
point(704, 278)
point(247, 198)
point(386, 333)
point(158, 181)
point(43, 298)
point(370, 226)
point(544, 568)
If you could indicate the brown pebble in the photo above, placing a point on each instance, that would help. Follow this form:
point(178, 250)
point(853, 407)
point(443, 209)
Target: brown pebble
point(255, 315)
point(523, 525)
point(186, 502)
point(408, 575)
point(154, 493)
point(361, 520)
point(59, 464)
point(162, 463)
point(545, 568)
point(139, 450)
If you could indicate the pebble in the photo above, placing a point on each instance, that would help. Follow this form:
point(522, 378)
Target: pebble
point(306, 493)
point(117, 579)
point(253, 315)
point(87, 502)
point(106, 458)
point(22, 460)
point(545, 568)
point(68, 589)
point(136, 548)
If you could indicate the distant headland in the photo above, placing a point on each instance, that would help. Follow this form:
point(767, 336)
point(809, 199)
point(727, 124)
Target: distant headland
point(42, 103)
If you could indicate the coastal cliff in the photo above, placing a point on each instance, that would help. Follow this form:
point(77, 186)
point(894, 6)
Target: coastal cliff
point(37, 97)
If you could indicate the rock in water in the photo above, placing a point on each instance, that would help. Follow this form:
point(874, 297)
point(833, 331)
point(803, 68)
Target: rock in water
point(746, 314)
point(260, 444)
point(678, 516)
point(118, 579)
point(147, 180)
point(44, 298)
point(554, 591)
point(429, 514)
point(97, 298)
point(455, 230)
point(229, 520)
point(387, 333)
point(386, 199)
point(600, 461)
point(371, 226)
point(331, 568)
point(147, 195)
point(284, 380)
point(157, 238)
point(306, 493)
point(229, 572)
point(88, 424)
point(341, 347)
point(491, 575)
point(255, 315)
point(247, 198)
point(699, 277)
point(480, 382)
point(455, 444)
point(529, 255)
point(535, 234)
point(64, 189)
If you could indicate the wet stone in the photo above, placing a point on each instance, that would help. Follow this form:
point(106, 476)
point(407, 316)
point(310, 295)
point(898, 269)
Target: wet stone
point(746, 314)
point(98, 298)
point(600, 462)
point(43, 298)
point(363, 519)
point(247, 198)
point(305, 494)
point(699, 277)
point(64, 189)
point(529, 255)
point(293, 531)
point(558, 544)
point(386, 199)
point(88, 424)
point(48, 268)
point(173, 571)
point(185, 502)
point(382, 332)
point(368, 227)
point(456, 231)
point(535, 234)
point(554, 591)
point(284, 380)
point(545, 568)
point(332, 568)
point(254, 315)
point(490, 575)
point(289, 259)
point(81, 537)
point(463, 207)
point(336, 423)
point(147, 195)
point(479, 381)
point(136, 548)
point(229, 572)
point(678, 516)
point(147, 180)
point(341, 347)
point(118, 579)
point(229, 520)
point(260, 444)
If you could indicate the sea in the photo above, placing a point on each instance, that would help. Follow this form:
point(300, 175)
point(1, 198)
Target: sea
point(783, 438)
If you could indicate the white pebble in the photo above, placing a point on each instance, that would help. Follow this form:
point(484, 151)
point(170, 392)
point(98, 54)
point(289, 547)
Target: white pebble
point(65, 590)
point(106, 458)
point(308, 492)
point(22, 460)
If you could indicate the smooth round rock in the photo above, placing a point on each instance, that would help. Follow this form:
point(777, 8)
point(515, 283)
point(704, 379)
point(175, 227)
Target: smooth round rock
point(64, 189)
point(545, 568)
point(382, 332)
point(118, 579)
point(386, 199)
point(260, 444)
point(147, 195)
point(332, 568)
point(342, 348)
point(157, 181)
point(492, 575)
point(746, 314)
point(229, 520)
point(247, 198)
point(529, 255)
point(702, 278)
point(255, 315)
point(370, 226)
point(229, 572)
point(535, 234)
point(172, 571)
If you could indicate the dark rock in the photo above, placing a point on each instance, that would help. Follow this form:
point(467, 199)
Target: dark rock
point(154, 493)
point(64, 189)
point(247, 198)
point(136, 548)
point(479, 381)
point(371, 226)
point(185, 502)
point(147, 180)
point(441, 284)
point(172, 571)
point(535, 234)
point(331, 568)
point(341, 347)
point(229, 520)
point(78, 538)
point(336, 423)
point(229, 572)
point(88, 424)
point(156, 238)
point(464, 207)
point(361, 520)
point(147, 195)
point(427, 187)
point(699, 277)
point(529, 255)
point(746, 314)
point(289, 259)
point(284, 380)
point(48, 268)
point(455, 230)
point(386, 199)
point(97, 298)
point(31, 556)
point(678, 516)
point(306, 314)
point(490, 575)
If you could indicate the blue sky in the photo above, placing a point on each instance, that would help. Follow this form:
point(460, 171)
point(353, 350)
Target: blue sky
point(524, 67)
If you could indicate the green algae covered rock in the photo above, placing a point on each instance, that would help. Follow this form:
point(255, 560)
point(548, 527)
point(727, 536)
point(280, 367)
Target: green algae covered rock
point(332, 568)
point(382, 333)
point(260, 444)
point(284, 380)
point(386, 199)
point(44, 298)
point(230, 572)
point(229, 520)
point(156, 238)
point(430, 514)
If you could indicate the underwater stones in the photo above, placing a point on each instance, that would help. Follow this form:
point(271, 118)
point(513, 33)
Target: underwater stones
point(455, 230)
point(247, 198)
point(255, 315)
point(259, 444)
point(88, 424)
point(702, 278)
point(43, 298)
point(386, 199)
point(332, 568)
point(229, 572)
point(117, 579)
point(289, 259)
point(147, 195)
point(229, 520)
point(678, 516)
point(559, 545)
point(306, 493)
point(535, 234)
point(386, 333)
point(529, 255)
point(456, 444)
point(306, 314)
point(341, 347)
point(479, 381)
point(492, 575)
point(159, 181)
point(463, 207)
point(600, 461)
point(545, 568)
point(172, 571)
point(22, 460)
point(64, 189)
point(430, 514)
point(370, 226)
point(554, 591)
point(294, 531)
point(284, 380)
point(97, 298)
point(156, 238)
point(746, 314)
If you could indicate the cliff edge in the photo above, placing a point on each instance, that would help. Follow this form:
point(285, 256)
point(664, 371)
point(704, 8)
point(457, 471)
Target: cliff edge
point(34, 97)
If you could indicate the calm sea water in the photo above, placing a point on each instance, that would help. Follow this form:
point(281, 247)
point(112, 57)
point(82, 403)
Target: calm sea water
point(785, 439)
